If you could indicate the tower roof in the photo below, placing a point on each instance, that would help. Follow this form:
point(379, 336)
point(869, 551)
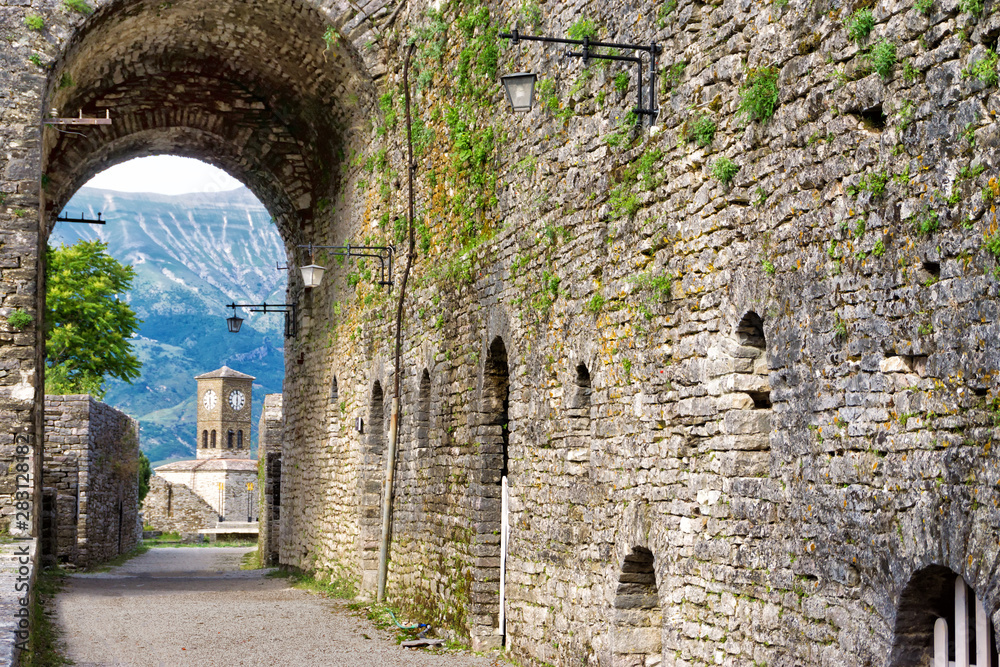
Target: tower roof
point(224, 372)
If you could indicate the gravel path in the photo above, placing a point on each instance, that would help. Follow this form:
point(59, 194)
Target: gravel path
point(193, 606)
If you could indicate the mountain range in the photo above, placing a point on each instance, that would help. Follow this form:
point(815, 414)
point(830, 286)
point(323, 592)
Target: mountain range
point(192, 254)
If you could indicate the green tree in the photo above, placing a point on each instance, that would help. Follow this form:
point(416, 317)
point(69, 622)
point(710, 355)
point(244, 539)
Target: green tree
point(145, 472)
point(87, 325)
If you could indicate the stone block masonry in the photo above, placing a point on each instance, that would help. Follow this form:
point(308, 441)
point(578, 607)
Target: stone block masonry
point(90, 481)
point(767, 403)
point(269, 442)
point(739, 371)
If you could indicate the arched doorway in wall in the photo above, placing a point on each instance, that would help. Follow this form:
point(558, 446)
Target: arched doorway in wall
point(493, 439)
point(253, 88)
point(941, 621)
point(370, 487)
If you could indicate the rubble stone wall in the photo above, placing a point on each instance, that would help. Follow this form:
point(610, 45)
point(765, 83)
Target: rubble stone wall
point(742, 415)
point(92, 465)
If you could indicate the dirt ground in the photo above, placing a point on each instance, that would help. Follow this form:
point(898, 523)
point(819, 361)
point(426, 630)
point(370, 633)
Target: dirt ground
point(194, 606)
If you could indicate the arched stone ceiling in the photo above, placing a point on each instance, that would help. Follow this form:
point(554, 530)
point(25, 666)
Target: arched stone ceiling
point(248, 85)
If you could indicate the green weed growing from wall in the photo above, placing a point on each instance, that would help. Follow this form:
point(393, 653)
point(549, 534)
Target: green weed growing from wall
point(759, 94)
point(973, 7)
point(926, 220)
point(665, 12)
point(19, 320)
point(873, 182)
point(699, 129)
point(78, 6)
point(859, 25)
point(641, 174)
point(670, 77)
point(531, 13)
point(984, 69)
point(584, 27)
point(883, 58)
point(724, 170)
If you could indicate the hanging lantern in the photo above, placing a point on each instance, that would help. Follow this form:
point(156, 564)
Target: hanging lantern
point(312, 275)
point(520, 89)
point(234, 323)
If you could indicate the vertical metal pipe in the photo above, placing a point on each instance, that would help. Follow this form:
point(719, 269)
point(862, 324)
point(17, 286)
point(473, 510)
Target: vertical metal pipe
point(652, 82)
point(390, 458)
point(642, 84)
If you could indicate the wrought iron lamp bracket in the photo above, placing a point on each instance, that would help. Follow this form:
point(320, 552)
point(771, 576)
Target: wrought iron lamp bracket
point(586, 52)
point(289, 309)
point(384, 254)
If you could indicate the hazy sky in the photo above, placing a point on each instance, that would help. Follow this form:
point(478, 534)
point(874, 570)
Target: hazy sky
point(164, 174)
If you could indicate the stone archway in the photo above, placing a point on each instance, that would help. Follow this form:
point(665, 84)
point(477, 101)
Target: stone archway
point(273, 93)
point(253, 88)
point(493, 439)
point(939, 613)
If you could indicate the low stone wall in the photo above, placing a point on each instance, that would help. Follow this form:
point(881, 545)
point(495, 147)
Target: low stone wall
point(269, 434)
point(90, 481)
point(175, 508)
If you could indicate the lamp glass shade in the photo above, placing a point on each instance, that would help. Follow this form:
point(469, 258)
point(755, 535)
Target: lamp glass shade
point(312, 275)
point(520, 88)
point(234, 323)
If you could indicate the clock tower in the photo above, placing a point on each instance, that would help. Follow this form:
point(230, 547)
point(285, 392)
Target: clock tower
point(224, 414)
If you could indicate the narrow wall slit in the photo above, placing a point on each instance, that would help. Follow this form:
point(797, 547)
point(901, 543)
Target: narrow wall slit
point(370, 491)
point(423, 416)
point(637, 615)
point(578, 421)
point(751, 361)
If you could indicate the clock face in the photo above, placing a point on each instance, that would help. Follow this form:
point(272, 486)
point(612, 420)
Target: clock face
point(236, 400)
point(209, 399)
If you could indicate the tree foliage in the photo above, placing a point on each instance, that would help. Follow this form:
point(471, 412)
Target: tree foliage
point(145, 472)
point(87, 326)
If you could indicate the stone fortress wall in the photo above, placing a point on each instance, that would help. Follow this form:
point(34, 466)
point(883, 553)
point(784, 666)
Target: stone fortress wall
point(90, 481)
point(741, 423)
point(746, 423)
point(270, 431)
